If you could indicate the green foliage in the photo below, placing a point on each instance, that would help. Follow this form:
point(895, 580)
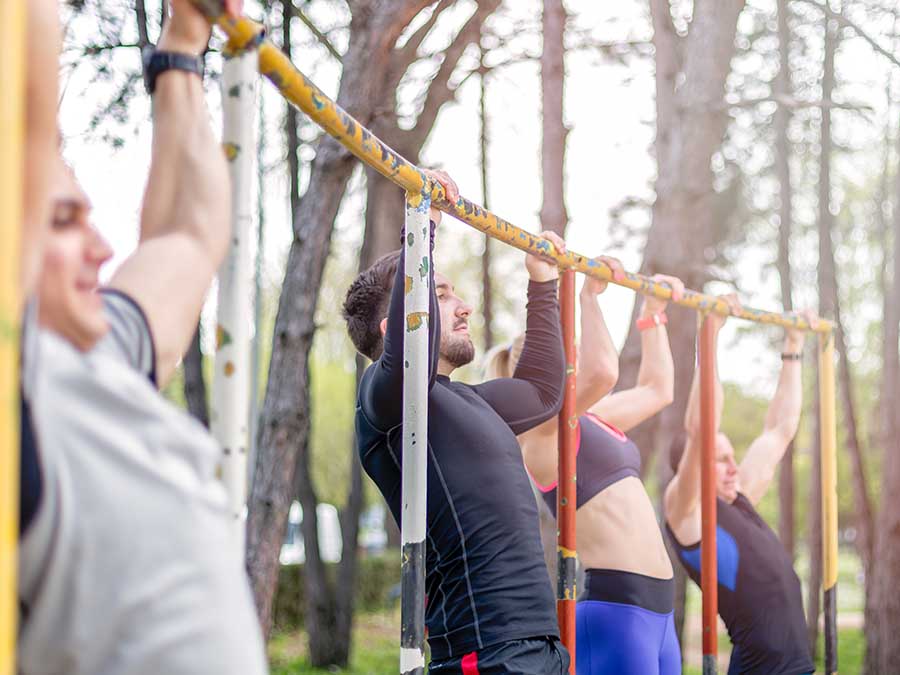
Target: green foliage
point(375, 578)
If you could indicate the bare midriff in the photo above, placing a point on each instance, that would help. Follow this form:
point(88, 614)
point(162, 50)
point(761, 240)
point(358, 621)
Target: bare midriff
point(617, 530)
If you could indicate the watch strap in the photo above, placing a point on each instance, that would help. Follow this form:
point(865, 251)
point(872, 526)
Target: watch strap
point(652, 321)
point(158, 62)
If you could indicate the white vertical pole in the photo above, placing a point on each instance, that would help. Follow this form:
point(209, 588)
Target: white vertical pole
point(231, 393)
point(415, 432)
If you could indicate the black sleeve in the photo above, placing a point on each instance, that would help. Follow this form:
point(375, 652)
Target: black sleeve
point(381, 391)
point(534, 393)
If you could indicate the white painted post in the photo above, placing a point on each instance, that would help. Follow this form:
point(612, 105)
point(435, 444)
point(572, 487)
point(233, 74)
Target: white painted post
point(415, 433)
point(231, 393)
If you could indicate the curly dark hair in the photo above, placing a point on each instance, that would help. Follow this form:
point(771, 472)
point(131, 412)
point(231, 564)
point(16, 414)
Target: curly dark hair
point(366, 304)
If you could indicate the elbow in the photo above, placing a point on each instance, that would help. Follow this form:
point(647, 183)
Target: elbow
point(211, 229)
point(601, 378)
point(665, 395)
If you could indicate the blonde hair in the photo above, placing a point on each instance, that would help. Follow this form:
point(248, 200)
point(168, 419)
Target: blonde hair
point(502, 361)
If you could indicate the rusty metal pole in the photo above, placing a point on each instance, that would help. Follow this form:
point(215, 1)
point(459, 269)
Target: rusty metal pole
point(565, 494)
point(708, 569)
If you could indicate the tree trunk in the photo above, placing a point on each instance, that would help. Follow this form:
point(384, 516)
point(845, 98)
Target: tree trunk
point(384, 200)
point(553, 139)
point(783, 89)
point(883, 610)
point(487, 295)
point(861, 500)
point(825, 278)
point(284, 427)
point(194, 382)
point(689, 129)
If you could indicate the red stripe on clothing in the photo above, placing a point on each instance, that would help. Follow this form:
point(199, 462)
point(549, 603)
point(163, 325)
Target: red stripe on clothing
point(607, 427)
point(470, 664)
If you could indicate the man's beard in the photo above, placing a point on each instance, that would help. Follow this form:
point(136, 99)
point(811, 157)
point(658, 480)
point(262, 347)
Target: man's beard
point(457, 350)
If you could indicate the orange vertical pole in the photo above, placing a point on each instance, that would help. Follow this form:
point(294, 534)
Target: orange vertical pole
point(565, 494)
point(708, 569)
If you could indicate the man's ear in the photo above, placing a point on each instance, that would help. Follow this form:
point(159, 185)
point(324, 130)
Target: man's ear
point(383, 326)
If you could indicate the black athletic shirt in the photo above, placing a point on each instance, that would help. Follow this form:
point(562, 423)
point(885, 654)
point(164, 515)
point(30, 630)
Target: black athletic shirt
point(486, 581)
point(604, 456)
point(759, 593)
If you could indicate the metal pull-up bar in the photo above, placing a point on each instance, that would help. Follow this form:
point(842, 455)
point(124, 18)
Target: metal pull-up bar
point(367, 147)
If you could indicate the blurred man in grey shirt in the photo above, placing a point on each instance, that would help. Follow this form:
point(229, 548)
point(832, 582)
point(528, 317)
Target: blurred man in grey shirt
point(127, 558)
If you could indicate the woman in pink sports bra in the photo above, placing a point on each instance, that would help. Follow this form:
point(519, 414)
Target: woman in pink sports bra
point(624, 619)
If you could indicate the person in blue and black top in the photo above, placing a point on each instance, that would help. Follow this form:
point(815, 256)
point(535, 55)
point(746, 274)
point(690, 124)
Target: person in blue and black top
point(490, 606)
point(624, 619)
point(759, 593)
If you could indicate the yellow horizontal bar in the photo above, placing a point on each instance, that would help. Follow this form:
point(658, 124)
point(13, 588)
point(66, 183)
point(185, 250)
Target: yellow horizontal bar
point(300, 91)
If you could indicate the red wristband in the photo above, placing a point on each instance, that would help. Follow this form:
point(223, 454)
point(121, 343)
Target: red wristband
point(652, 321)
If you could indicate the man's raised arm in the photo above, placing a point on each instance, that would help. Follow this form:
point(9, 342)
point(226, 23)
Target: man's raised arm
point(682, 497)
point(185, 225)
point(782, 420)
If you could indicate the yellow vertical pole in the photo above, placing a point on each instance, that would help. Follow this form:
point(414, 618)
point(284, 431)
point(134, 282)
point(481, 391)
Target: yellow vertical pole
point(828, 448)
point(12, 130)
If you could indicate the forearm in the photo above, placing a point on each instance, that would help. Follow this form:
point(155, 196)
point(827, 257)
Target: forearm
point(783, 415)
point(656, 372)
point(542, 362)
point(188, 187)
point(598, 361)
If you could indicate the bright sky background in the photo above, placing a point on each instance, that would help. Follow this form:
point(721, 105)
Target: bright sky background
point(609, 108)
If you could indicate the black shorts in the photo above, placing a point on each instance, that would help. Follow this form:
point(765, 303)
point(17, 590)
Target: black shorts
point(532, 656)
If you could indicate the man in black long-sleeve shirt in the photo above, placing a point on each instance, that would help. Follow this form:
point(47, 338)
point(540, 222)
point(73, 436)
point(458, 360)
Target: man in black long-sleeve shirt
point(490, 606)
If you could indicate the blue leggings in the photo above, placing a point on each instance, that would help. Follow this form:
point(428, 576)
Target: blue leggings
point(624, 639)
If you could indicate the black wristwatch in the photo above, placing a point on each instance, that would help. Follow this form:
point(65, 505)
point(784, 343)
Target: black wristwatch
point(156, 63)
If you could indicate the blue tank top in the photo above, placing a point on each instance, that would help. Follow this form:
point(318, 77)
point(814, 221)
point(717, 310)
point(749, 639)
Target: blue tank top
point(605, 456)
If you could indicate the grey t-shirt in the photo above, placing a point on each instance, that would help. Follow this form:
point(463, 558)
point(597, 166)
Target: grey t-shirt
point(130, 564)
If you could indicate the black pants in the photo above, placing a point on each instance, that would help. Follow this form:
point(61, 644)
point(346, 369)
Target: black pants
point(533, 656)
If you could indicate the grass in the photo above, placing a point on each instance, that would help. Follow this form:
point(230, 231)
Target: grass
point(375, 649)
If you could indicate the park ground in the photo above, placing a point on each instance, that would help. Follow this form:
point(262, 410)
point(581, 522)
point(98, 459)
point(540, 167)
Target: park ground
point(376, 633)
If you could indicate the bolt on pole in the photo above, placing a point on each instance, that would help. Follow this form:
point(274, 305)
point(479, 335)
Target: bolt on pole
point(417, 271)
point(708, 564)
point(230, 416)
point(828, 448)
point(566, 593)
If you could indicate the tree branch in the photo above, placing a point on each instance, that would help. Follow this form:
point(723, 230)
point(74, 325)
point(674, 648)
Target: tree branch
point(791, 102)
point(140, 10)
point(844, 21)
point(439, 91)
point(411, 48)
point(320, 36)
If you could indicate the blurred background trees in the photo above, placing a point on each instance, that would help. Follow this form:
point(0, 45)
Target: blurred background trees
point(746, 144)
